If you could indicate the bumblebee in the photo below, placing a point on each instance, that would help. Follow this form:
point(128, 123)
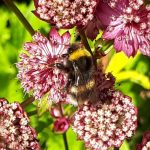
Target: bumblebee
point(79, 66)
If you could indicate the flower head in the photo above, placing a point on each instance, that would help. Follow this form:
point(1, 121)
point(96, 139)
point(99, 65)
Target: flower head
point(103, 84)
point(61, 125)
point(106, 124)
point(128, 23)
point(55, 112)
point(36, 68)
point(65, 13)
point(15, 132)
point(145, 145)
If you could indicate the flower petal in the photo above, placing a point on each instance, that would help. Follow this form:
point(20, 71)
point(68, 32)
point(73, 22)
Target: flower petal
point(144, 46)
point(54, 36)
point(104, 12)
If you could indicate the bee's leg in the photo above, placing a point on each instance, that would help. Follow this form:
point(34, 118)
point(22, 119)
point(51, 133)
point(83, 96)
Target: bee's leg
point(65, 55)
point(70, 81)
point(61, 67)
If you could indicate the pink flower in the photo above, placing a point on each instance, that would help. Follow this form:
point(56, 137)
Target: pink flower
point(145, 145)
point(55, 112)
point(61, 125)
point(128, 23)
point(106, 124)
point(65, 13)
point(36, 70)
point(103, 84)
point(15, 131)
point(92, 28)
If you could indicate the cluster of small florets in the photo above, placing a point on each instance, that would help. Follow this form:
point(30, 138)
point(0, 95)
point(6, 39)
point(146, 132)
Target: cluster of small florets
point(36, 68)
point(107, 124)
point(15, 132)
point(66, 13)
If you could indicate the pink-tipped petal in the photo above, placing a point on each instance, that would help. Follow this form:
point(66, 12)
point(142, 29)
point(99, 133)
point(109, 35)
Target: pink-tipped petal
point(55, 36)
point(66, 38)
point(104, 13)
point(127, 22)
point(144, 46)
point(112, 32)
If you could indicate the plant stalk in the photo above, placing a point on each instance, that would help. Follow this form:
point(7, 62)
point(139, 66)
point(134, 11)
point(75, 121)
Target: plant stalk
point(31, 113)
point(65, 141)
point(20, 16)
point(84, 40)
point(64, 134)
point(86, 44)
point(27, 102)
point(115, 148)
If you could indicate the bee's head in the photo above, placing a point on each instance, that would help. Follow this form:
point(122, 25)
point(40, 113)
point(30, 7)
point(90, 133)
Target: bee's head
point(80, 58)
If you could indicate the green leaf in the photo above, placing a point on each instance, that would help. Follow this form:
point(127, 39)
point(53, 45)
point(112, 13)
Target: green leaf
point(118, 62)
point(44, 104)
point(134, 76)
point(125, 146)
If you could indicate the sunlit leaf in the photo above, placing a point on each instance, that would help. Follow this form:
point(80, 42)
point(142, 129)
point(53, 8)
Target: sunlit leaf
point(118, 62)
point(134, 76)
point(125, 146)
point(44, 104)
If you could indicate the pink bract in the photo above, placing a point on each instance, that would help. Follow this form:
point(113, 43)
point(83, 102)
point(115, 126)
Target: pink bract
point(61, 125)
point(36, 70)
point(128, 23)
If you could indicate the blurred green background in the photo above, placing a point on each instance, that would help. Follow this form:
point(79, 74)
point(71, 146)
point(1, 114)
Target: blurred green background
point(132, 79)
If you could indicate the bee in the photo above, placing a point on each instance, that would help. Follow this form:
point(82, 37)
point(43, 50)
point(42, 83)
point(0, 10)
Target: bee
point(79, 66)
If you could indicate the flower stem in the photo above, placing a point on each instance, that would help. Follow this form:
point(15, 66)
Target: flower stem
point(115, 148)
point(65, 141)
point(64, 134)
point(86, 44)
point(27, 102)
point(20, 16)
point(31, 113)
point(84, 40)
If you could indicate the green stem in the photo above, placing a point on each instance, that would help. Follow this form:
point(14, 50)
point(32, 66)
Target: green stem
point(20, 16)
point(27, 102)
point(31, 113)
point(86, 44)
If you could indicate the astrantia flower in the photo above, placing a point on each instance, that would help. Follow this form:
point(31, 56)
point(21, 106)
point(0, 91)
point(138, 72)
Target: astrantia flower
point(65, 13)
point(128, 23)
point(55, 112)
point(106, 124)
point(145, 145)
point(61, 125)
point(36, 70)
point(92, 28)
point(15, 132)
point(103, 84)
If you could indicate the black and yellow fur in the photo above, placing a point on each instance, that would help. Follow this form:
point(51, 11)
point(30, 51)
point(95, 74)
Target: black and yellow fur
point(79, 66)
point(80, 71)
